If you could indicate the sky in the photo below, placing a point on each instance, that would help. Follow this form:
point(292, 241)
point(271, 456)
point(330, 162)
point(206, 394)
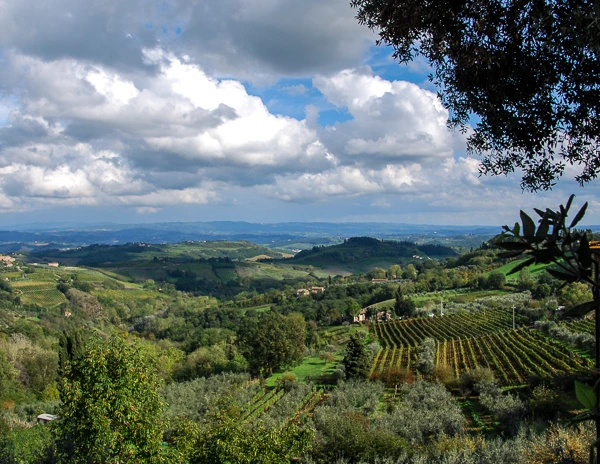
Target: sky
point(254, 110)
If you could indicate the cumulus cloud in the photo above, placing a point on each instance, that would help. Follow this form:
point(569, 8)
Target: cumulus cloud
point(90, 132)
point(95, 134)
point(284, 37)
point(83, 132)
point(391, 121)
point(346, 181)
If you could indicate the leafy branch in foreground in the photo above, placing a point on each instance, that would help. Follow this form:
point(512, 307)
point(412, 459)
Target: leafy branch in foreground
point(553, 242)
point(570, 251)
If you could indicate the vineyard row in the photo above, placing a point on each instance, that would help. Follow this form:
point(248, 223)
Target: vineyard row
point(411, 332)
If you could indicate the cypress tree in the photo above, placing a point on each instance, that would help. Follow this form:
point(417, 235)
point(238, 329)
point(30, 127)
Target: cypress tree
point(356, 361)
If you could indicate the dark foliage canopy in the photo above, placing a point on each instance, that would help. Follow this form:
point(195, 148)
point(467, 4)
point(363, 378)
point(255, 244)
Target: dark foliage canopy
point(356, 361)
point(528, 70)
point(273, 341)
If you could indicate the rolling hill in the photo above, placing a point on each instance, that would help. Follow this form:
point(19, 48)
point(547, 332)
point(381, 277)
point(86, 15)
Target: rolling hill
point(364, 253)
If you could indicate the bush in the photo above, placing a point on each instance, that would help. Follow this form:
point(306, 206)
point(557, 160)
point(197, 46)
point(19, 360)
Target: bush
point(231, 441)
point(360, 395)
point(444, 374)
point(200, 398)
point(32, 445)
point(562, 445)
point(487, 388)
point(548, 403)
point(287, 381)
point(469, 379)
point(507, 409)
point(427, 356)
point(495, 281)
point(327, 356)
point(354, 436)
point(338, 375)
point(397, 376)
point(111, 410)
point(584, 341)
point(373, 349)
point(426, 410)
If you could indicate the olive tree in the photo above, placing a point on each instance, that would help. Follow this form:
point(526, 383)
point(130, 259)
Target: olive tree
point(111, 410)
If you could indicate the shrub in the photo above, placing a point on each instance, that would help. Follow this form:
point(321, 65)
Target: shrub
point(469, 379)
point(231, 441)
point(287, 381)
point(354, 436)
point(548, 403)
point(427, 356)
point(111, 409)
point(396, 376)
point(338, 375)
point(327, 356)
point(427, 410)
point(200, 398)
point(507, 409)
point(444, 374)
point(488, 388)
point(562, 445)
point(373, 349)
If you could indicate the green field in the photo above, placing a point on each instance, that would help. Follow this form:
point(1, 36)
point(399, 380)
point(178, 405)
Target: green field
point(43, 297)
point(129, 294)
point(535, 269)
point(311, 368)
point(269, 271)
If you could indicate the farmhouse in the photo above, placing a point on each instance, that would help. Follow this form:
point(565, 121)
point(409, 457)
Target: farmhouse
point(7, 260)
point(379, 315)
point(302, 292)
point(379, 281)
point(52, 264)
point(317, 289)
point(362, 316)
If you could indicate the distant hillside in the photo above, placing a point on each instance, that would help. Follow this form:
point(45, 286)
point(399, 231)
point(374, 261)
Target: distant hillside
point(366, 252)
point(100, 255)
point(290, 236)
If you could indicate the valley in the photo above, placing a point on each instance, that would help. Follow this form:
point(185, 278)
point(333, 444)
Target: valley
point(273, 334)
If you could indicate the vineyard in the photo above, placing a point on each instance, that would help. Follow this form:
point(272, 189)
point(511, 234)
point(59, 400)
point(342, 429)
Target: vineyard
point(41, 293)
point(292, 404)
point(585, 326)
point(129, 294)
point(465, 342)
point(43, 297)
point(412, 332)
